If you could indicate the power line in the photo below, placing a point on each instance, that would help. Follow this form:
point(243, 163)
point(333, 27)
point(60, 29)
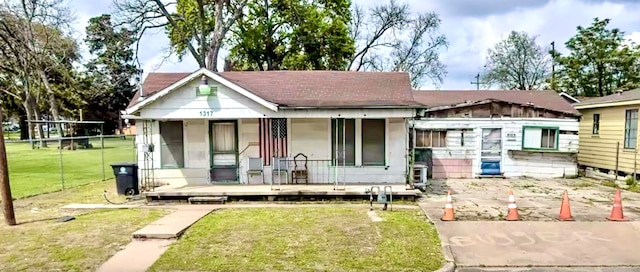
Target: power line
point(477, 82)
point(553, 65)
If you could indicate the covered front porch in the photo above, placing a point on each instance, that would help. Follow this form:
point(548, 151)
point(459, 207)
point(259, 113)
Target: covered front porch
point(274, 151)
point(277, 127)
point(281, 192)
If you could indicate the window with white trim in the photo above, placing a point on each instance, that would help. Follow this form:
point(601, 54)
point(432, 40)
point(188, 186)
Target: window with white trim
point(630, 129)
point(539, 138)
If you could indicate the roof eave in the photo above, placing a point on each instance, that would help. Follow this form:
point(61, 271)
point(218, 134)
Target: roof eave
point(202, 71)
point(607, 104)
point(351, 107)
point(486, 101)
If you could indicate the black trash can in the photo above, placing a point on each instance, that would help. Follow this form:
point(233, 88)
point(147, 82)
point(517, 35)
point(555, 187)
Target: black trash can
point(126, 174)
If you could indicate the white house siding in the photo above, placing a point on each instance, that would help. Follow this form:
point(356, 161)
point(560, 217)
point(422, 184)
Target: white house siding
point(515, 162)
point(248, 143)
point(309, 133)
point(184, 104)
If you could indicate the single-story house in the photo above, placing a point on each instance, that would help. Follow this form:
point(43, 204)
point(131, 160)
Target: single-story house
point(273, 126)
point(609, 132)
point(470, 134)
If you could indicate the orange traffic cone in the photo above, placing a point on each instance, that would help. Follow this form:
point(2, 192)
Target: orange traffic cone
point(616, 212)
point(448, 209)
point(513, 209)
point(565, 208)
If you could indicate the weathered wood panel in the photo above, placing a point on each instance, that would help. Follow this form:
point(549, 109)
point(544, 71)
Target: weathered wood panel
point(514, 162)
point(494, 109)
point(452, 168)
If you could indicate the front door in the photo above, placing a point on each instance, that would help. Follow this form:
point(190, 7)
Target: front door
point(491, 151)
point(223, 144)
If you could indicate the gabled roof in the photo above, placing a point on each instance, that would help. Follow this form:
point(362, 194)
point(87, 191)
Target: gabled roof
point(304, 89)
point(616, 99)
point(138, 103)
point(549, 100)
point(571, 99)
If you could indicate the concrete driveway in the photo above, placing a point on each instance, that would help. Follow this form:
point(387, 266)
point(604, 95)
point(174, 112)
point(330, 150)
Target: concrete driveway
point(537, 200)
point(480, 239)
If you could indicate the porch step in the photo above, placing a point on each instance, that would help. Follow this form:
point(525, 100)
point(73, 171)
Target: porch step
point(491, 176)
point(207, 199)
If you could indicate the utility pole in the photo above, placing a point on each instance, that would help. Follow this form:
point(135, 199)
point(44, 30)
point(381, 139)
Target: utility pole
point(477, 81)
point(553, 65)
point(5, 189)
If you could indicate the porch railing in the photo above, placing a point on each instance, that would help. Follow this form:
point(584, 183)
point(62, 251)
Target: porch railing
point(315, 172)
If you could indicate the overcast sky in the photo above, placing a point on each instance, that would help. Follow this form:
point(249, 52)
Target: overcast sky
point(471, 27)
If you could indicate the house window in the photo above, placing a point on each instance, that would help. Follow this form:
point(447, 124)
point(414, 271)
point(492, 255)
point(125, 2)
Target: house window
point(373, 141)
point(171, 145)
point(206, 91)
point(431, 138)
point(343, 138)
point(596, 124)
point(548, 138)
point(630, 129)
point(539, 138)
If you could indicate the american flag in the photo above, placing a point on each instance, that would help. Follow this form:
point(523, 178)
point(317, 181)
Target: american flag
point(273, 138)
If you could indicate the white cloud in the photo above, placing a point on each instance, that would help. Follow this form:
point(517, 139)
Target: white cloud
point(470, 37)
point(471, 30)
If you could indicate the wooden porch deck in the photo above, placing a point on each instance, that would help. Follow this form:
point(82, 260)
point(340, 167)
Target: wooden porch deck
point(286, 193)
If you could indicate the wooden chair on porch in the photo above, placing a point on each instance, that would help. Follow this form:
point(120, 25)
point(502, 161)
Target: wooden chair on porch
point(256, 167)
point(280, 168)
point(300, 170)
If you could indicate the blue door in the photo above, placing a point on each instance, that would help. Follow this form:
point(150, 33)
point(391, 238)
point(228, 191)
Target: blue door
point(491, 151)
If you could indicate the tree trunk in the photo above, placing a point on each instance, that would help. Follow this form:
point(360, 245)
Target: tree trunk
point(52, 101)
point(36, 116)
point(24, 127)
point(5, 187)
point(29, 112)
point(212, 58)
point(216, 38)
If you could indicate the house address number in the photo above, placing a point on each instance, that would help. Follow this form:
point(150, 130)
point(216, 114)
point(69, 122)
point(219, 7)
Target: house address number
point(206, 113)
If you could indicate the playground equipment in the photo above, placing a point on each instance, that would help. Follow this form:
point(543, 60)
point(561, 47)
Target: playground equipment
point(384, 196)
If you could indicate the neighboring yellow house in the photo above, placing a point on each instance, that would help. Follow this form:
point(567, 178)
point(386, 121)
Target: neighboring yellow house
point(609, 133)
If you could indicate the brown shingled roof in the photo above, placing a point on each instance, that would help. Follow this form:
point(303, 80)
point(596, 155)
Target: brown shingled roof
point(616, 97)
point(155, 82)
point(549, 100)
point(309, 88)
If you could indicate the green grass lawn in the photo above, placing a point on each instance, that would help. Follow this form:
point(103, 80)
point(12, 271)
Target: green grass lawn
point(306, 239)
point(37, 171)
point(39, 243)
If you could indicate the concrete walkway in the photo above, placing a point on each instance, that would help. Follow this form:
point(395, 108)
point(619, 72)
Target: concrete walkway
point(150, 242)
point(483, 244)
point(138, 256)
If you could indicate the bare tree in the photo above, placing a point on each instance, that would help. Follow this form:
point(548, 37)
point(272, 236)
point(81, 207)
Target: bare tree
point(389, 38)
point(144, 15)
point(518, 63)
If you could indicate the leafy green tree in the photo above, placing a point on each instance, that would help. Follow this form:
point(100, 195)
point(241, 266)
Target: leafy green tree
point(517, 63)
point(292, 35)
point(599, 62)
point(112, 71)
point(35, 49)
